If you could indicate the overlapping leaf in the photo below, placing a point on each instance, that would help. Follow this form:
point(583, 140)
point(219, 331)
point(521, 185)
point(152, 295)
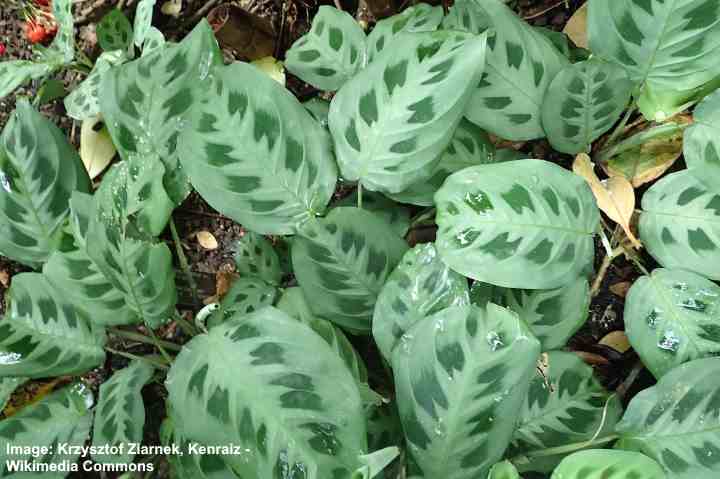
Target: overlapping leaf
point(83, 102)
point(331, 53)
point(671, 317)
point(417, 18)
point(680, 223)
point(420, 286)
point(64, 417)
point(247, 294)
point(701, 142)
point(144, 101)
point(120, 413)
point(114, 32)
point(519, 224)
point(14, 74)
point(392, 120)
point(604, 464)
point(342, 262)
point(306, 415)
point(142, 26)
point(668, 48)
point(469, 146)
point(503, 470)
point(569, 406)
point(397, 216)
point(584, 101)
point(460, 376)
point(553, 315)
point(8, 385)
point(255, 256)
point(676, 422)
point(39, 170)
point(521, 63)
point(466, 15)
point(249, 157)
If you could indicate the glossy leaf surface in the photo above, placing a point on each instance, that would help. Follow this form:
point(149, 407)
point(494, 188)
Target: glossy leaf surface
point(603, 464)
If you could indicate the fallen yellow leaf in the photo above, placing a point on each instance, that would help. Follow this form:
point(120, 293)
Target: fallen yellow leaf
point(616, 340)
point(576, 27)
point(614, 196)
point(96, 147)
point(207, 240)
point(272, 67)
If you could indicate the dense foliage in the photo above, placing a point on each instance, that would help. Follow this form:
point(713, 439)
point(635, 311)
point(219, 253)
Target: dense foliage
point(471, 326)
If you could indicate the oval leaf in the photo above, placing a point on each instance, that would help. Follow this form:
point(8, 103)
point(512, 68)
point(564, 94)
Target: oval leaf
point(519, 224)
point(680, 224)
point(397, 216)
point(676, 421)
point(391, 121)
point(331, 53)
point(248, 157)
point(255, 256)
point(247, 294)
point(701, 142)
point(82, 103)
point(602, 464)
point(417, 18)
point(503, 470)
point(420, 286)
point(114, 32)
point(342, 262)
point(671, 317)
point(143, 22)
point(460, 376)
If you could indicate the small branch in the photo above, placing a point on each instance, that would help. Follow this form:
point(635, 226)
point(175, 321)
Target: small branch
point(154, 362)
point(621, 126)
point(184, 263)
point(141, 338)
point(157, 344)
point(566, 449)
point(338, 5)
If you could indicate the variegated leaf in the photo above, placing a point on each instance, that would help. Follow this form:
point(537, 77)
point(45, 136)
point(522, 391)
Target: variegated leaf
point(306, 416)
point(680, 223)
point(420, 286)
point(16, 73)
point(39, 170)
point(701, 141)
point(666, 47)
point(319, 109)
point(676, 422)
point(191, 465)
point(584, 101)
point(604, 464)
point(553, 315)
point(568, 406)
point(8, 385)
point(154, 41)
point(114, 32)
point(255, 256)
point(416, 18)
point(247, 294)
point(43, 334)
point(62, 418)
point(519, 224)
point(342, 262)
point(671, 317)
point(391, 122)
point(460, 377)
point(470, 146)
point(397, 216)
point(503, 470)
point(521, 63)
point(83, 103)
point(142, 27)
point(120, 413)
point(247, 155)
point(331, 53)
point(467, 16)
point(144, 102)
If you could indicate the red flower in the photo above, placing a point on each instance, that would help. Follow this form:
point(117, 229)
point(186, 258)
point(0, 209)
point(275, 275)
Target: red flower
point(2, 49)
point(35, 32)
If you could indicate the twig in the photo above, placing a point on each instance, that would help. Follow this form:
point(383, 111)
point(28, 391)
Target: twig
point(154, 362)
point(202, 11)
point(543, 12)
point(156, 341)
point(141, 338)
point(184, 263)
point(338, 5)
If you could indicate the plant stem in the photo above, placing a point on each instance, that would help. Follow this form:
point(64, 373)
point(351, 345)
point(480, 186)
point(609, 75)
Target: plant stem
point(640, 138)
point(184, 263)
point(154, 362)
point(566, 449)
point(141, 338)
point(621, 126)
point(187, 327)
point(359, 194)
point(420, 219)
point(156, 341)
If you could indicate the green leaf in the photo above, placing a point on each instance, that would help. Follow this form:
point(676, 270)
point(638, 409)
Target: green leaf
point(16, 73)
point(569, 406)
point(466, 16)
point(584, 101)
point(680, 223)
point(248, 157)
point(676, 421)
point(87, 288)
point(664, 46)
point(8, 385)
point(519, 224)
point(120, 413)
point(255, 256)
point(144, 102)
point(503, 470)
point(420, 286)
point(114, 32)
point(331, 53)
point(470, 146)
point(83, 102)
point(461, 375)
point(553, 315)
point(391, 122)
point(289, 401)
point(701, 141)
point(384, 428)
point(397, 216)
point(671, 317)
point(63, 45)
point(143, 30)
point(604, 464)
point(293, 303)
point(39, 170)
point(154, 40)
point(247, 294)
point(664, 104)
point(319, 109)
point(63, 417)
point(521, 63)
point(417, 18)
point(342, 262)
point(44, 335)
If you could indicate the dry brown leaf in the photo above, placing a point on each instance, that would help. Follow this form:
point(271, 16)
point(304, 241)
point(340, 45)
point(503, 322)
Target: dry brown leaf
point(621, 288)
point(96, 147)
point(592, 358)
point(614, 196)
point(576, 27)
point(4, 278)
point(616, 340)
point(207, 240)
point(28, 395)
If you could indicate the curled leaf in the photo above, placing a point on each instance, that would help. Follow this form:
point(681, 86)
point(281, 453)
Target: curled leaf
point(96, 147)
